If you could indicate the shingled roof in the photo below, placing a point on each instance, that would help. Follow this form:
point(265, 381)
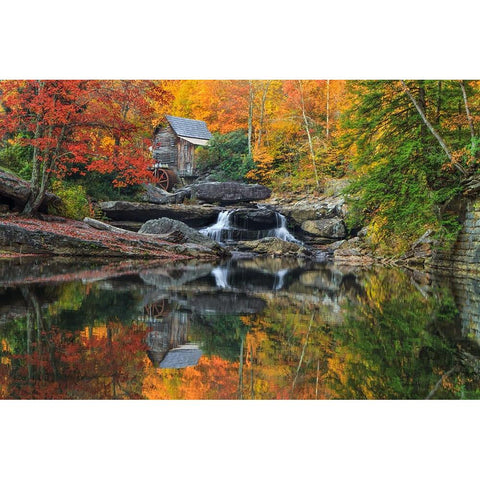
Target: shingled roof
point(185, 127)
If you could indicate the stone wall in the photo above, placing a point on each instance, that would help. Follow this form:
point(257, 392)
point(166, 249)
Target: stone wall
point(461, 264)
point(467, 296)
point(464, 257)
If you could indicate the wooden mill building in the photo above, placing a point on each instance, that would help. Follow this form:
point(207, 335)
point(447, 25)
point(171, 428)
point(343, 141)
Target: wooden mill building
point(175, 141)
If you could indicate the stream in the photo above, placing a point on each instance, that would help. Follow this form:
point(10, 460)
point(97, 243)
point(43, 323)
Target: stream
point(246, 328)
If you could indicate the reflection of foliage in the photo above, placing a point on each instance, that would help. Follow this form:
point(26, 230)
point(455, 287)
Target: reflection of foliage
point(394, 342)
point(287, 350)
point(220, 335)
point(97, 305)
point(392, 346)
point(105, 362)
point(212, 378)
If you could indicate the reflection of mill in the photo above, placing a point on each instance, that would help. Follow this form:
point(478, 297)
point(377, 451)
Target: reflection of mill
point(167, 339)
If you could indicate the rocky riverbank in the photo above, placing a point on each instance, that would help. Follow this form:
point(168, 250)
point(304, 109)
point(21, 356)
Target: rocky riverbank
point(174, 225)
point(63, 237)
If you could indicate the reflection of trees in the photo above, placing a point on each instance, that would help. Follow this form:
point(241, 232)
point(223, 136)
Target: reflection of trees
point(96, 362)
point(393, 344)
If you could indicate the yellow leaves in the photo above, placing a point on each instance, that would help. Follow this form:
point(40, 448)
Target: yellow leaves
point(263, 171)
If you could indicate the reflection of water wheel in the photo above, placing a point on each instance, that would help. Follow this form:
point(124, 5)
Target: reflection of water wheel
point(156, 310)
point(166, 179)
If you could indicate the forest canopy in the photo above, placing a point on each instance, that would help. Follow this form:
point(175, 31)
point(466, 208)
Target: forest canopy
point(407, 147)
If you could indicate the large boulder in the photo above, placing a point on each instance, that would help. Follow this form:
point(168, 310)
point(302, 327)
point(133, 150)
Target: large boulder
point(254, 219)
point(15, 192)
point(325, 228)
point(192, 215)
point(153, 194)
point(226, 193)
point(178, 231)
point(313, 209)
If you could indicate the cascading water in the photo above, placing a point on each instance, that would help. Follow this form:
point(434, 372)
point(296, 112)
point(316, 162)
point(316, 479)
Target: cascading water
point(281, 231)
point(223, 231)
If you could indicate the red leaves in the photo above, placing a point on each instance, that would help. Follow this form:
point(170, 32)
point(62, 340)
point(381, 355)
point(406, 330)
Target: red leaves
point(101, 125)
point(106, 363)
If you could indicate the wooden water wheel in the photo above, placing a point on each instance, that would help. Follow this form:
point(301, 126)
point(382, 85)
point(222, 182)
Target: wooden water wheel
point(166, 178)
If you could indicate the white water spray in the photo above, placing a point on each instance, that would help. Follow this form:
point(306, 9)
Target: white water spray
point(223, 225)
point(281, 231)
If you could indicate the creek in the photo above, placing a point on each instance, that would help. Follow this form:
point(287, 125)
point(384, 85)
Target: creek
point(246, 328)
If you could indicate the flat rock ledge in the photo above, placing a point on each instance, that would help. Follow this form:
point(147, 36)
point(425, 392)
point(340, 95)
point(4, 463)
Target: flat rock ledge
point(72, 238)
point(275, 247)
point(226, 193)
point(193, 215)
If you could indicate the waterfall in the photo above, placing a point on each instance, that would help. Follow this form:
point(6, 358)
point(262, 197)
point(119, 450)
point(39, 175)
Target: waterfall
point(226, 231)
point(215, 232)
point(281, 231)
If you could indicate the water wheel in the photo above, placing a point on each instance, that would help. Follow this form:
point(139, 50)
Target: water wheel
point(166, 178)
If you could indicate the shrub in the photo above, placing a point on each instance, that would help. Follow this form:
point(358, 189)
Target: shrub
point(74, 201)
point(17, 159)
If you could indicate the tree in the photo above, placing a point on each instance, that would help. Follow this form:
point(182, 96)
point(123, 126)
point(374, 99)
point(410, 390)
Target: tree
point(409, 149)
point(78, 126)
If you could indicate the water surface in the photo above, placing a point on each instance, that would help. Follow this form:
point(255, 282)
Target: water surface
point(249, 328)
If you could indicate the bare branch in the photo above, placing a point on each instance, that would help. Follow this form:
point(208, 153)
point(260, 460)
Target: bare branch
point(432, 129)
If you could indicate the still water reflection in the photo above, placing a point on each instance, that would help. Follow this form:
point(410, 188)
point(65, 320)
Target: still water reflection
point(250, 328)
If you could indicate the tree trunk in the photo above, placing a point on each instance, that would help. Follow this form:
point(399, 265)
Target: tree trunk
point(35, 178)
point(41, 180)
point(327, 133)
point(469, 117)
point(251, 95)
point(307, 129)
point(262, 112)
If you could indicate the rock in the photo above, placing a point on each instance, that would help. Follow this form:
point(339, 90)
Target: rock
point(254, 218)
point(16, 191)
point(353, 252)
point(325, 228)
point(177, 231)
point(71, 238)
point(103, 226)
point(192, 215)
point(226, 193)
point(159, 196)
point(363, 232)
point(275, 247)
point(352, 256)
point(313, 209)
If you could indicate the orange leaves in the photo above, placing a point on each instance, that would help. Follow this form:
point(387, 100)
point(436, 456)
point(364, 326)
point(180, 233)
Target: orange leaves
point(263, 171)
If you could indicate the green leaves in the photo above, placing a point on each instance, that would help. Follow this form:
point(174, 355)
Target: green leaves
point(402, 175)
